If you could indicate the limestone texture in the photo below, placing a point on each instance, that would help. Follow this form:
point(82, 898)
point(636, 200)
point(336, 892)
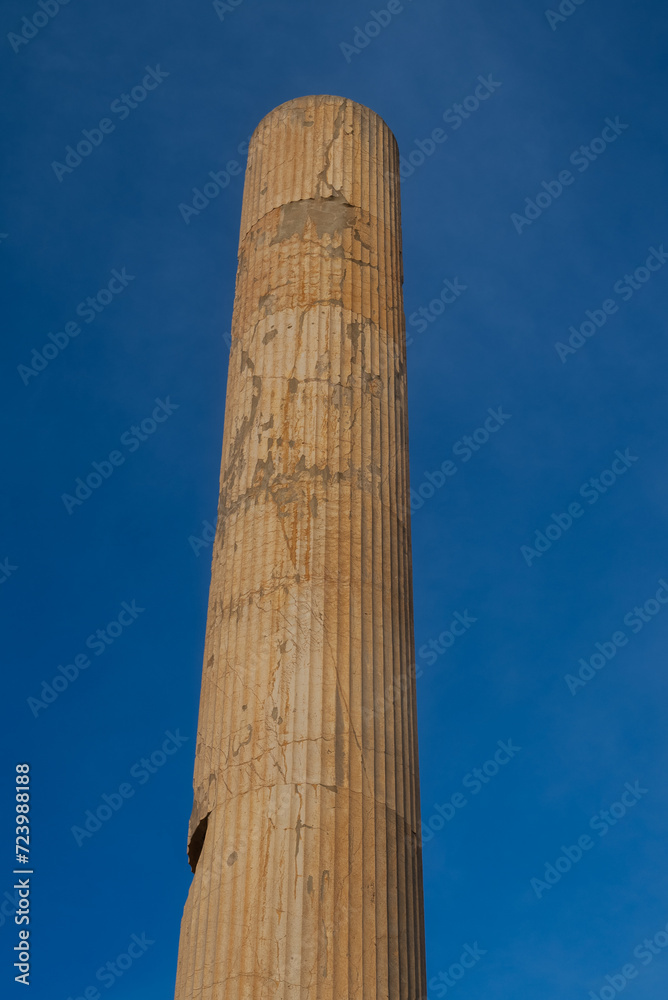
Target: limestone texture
point(304, 835)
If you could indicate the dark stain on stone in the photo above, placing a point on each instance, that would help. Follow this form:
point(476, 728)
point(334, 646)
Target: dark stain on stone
point(313, 470)
point(314, 506)
point(353, 331)
point(298, 115)
point(293, 385)
point(324, 949)
point(246, 361)
point(236, 455)
point(361, 241)
point(266, 302)
point(309, 885)
point(328, 215)
point(232, 858)
point(269, 424)
point(298, 828)
point(274, 713)
point(269, 335)
point(264, 470)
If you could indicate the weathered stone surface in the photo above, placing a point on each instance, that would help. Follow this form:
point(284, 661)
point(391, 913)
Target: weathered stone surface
point(306, 813)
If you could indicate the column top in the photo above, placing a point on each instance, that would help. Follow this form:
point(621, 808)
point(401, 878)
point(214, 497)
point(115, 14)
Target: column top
point(321, 147)
point(308, 101)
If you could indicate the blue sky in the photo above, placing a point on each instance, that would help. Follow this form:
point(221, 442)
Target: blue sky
point(532, 252)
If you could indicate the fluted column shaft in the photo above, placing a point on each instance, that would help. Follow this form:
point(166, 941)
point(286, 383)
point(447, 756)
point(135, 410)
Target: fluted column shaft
point(309, 883)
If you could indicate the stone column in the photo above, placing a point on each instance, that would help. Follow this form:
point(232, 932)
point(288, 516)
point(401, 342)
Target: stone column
point(304, 836)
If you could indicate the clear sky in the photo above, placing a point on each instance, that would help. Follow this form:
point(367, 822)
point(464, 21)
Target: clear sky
point(542, 202)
